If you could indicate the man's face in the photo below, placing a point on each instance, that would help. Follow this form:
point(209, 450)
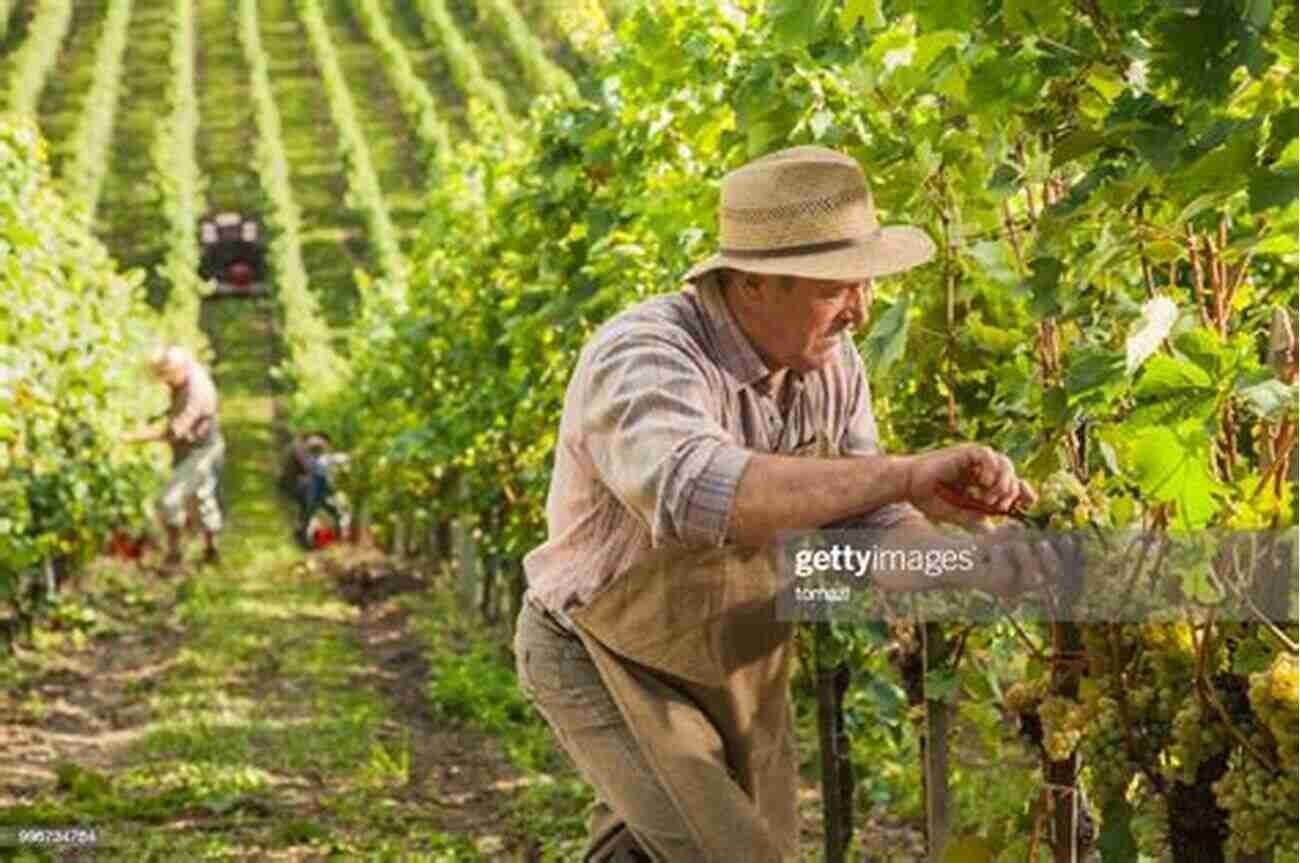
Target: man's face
point(174, 376)
point(796, 322)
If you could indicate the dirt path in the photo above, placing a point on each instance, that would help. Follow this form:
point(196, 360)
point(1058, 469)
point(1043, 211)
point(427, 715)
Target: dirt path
point(271, 708)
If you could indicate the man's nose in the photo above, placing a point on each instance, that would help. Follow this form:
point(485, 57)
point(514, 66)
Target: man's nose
point(857, 305)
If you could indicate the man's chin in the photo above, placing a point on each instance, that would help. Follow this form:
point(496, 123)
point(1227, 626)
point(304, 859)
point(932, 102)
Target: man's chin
point(813, 362)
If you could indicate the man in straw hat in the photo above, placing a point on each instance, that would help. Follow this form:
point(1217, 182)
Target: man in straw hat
point(696, 427)
point(192, 429)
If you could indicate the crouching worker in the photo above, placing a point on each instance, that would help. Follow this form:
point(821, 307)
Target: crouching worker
point(192, 430)
point(315, 465)
point(697, 426)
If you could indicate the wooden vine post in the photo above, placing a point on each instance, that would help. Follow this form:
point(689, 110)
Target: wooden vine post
point(832, 679)
point(920, 649)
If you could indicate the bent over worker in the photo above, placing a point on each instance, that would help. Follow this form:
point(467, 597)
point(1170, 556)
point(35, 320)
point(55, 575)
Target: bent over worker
point(696, 427)
point(192, 429)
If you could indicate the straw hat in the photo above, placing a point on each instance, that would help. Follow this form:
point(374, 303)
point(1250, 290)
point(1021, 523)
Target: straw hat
point(807, 211)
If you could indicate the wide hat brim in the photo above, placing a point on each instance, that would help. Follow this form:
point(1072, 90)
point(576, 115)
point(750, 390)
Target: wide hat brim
point(888, 251)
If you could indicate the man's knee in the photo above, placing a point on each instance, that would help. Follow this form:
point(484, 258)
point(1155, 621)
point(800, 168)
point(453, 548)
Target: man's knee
point(171, 505)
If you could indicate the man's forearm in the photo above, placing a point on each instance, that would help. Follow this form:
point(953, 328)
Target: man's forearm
point(959, 552)
point(779, 493)
point(147, 435)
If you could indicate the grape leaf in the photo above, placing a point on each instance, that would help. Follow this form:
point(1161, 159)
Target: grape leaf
point(1158, 316)
point(942, 684)
point(797, 22)
point(1269, 189)
point(1092, 369)
point(1272, 400)
point(885, 344)
point(996, 261)
point(866, 11)
point(1056, 407)
point(1173, 468)
point(1045, 285)
point(1078, 143)
point(1166, 378)
point(1173, 390)
point(1219, 171)
point(1203, 347)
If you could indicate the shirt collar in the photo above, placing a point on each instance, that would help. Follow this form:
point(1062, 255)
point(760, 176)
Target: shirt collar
point(736, 353)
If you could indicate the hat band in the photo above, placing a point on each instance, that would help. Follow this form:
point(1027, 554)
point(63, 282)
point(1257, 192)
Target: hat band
point(795, 251)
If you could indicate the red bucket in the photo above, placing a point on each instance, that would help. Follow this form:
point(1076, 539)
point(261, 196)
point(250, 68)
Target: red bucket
point(322, 537)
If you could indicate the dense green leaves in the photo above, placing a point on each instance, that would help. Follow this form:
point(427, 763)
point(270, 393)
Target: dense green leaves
point(73, 333)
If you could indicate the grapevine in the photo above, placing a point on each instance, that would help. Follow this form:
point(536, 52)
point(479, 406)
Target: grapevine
point(464, 62)
point(35, 58)
point(417, 102)
point(73, 331)
point(542, 75)
point(84, 177)
point(363, 183)
point(315, 366)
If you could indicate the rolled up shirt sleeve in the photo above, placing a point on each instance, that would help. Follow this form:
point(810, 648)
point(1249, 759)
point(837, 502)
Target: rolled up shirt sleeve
point(652, 431)
point(862, 437)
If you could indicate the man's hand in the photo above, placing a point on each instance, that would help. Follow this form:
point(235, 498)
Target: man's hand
point(1016, 561)
point(980, 472)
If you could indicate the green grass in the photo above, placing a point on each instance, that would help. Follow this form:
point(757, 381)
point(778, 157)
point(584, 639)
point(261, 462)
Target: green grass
point(260, 733)
point(555, 813)
point(472, 682)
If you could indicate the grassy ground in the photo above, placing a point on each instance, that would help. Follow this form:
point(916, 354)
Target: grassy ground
point(258, 710)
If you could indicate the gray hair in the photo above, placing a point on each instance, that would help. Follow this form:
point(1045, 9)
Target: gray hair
point(168, 358)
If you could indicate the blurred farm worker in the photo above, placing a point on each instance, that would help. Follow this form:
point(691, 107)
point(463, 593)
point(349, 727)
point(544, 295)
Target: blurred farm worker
point(697, 426)
point(191, 428)
point(315, 486)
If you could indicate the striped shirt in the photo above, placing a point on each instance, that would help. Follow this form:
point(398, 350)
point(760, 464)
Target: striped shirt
point(192, 414)
point(667, 404)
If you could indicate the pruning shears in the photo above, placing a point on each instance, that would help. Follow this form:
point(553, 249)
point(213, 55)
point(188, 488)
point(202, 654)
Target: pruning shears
point(956, 497)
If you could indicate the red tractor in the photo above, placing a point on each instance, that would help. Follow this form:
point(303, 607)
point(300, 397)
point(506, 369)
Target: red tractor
point(233, 255)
